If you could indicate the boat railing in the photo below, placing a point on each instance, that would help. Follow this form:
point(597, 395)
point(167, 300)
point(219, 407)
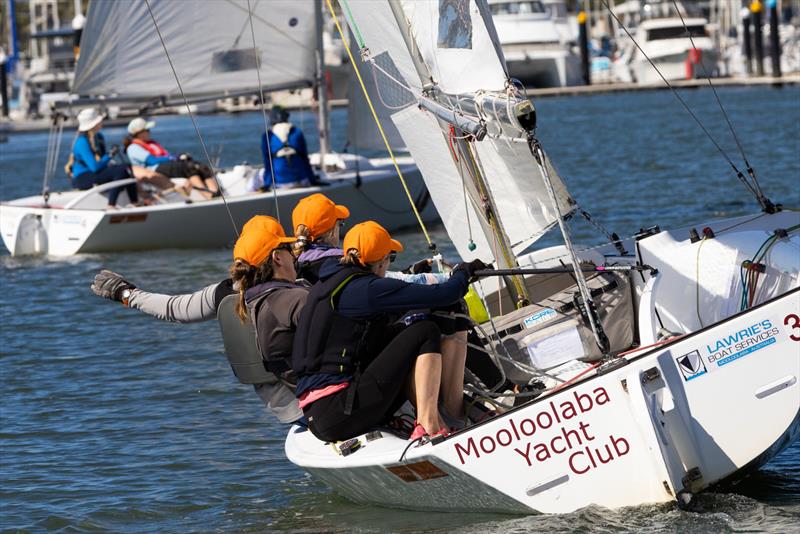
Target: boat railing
point(96, 192)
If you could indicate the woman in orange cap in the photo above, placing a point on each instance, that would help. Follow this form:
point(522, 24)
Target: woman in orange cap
point(353, 361)
point(264, 273)
point(317, 221)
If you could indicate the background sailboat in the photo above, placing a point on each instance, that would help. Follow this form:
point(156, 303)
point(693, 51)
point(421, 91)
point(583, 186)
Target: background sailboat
point(122, 59)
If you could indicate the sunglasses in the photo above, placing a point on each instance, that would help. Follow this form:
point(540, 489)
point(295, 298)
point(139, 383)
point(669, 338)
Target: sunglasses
point(341, 223)
point(284, 246)
point(392, 256)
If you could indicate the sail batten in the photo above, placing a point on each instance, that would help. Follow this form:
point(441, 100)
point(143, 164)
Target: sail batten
point(210, 45)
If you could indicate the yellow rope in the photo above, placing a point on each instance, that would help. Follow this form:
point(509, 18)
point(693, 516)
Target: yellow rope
point(377, 121)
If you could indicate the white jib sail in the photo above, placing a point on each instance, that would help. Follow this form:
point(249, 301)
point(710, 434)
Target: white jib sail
point(210, 44)
point(457, 42)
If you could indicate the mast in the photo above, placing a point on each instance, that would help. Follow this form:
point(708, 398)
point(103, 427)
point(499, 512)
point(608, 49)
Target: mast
point(476, 186)
point(322, 88)
point(14, 45)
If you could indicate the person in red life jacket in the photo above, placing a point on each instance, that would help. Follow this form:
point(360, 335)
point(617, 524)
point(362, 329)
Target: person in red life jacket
point(143, 151)
point(353, 360)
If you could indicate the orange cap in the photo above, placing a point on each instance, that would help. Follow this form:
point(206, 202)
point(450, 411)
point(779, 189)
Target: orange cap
point(318, 213)
point(260, 236)
point(372, 242)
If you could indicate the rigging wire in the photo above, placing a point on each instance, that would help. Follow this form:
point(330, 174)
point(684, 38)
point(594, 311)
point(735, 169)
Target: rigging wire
point(264, 116)
point(191, 116)
point(431, 244)
point(750, 170)
point(760, 198)
point(600, 338)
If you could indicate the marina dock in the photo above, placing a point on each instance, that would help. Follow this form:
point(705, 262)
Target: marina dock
point(35, 125)
point(696, 83)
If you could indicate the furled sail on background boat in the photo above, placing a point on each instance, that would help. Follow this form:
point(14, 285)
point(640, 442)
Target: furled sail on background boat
point(233, 47)
point(713, 320)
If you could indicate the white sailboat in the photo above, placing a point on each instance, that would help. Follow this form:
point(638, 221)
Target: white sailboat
point(122, 59)
point(684, 375)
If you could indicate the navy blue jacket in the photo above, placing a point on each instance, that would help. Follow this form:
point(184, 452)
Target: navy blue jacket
point(369, 295)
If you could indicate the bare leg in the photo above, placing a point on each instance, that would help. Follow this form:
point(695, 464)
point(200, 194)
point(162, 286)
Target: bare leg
point(427, 374)
point(151, 177)
point(198, 182)
point(211, 184)
point(454, 356)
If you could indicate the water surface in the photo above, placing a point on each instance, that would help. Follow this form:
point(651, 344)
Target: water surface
point(113, 421)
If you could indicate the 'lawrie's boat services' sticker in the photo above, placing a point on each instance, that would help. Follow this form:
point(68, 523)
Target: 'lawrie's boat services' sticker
point(691, 365)
point(728, 349)
point(540, 317)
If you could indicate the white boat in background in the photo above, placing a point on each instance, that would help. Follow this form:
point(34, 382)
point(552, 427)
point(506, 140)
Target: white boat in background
point(674, 369)
point(75, 222)
point(223, 62)
point(538, 41)
point(664, 40)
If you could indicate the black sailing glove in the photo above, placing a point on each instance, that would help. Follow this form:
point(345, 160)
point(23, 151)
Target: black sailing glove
point(110, 285)
point(422, 266)
point(470, 268)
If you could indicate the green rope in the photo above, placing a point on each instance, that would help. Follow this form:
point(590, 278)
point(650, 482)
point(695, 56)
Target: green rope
point(353, 24)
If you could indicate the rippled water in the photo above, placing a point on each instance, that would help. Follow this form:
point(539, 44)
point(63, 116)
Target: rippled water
point(113, 421)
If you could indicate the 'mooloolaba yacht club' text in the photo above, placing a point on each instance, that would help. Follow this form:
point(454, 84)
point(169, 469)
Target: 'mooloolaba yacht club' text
point(567, 434)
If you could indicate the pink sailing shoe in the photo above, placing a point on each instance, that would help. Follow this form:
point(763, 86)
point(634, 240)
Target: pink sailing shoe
point(419, 432)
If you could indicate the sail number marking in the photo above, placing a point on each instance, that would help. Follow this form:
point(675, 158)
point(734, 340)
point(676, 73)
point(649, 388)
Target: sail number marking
point(795, 325)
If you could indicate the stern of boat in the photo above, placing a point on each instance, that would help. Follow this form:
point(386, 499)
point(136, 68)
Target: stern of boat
point(29, 228)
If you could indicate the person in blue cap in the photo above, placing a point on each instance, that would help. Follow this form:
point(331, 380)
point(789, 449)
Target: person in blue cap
point(287, 146)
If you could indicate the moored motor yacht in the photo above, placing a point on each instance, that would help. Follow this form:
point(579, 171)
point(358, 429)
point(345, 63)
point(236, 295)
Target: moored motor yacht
point(666, 43)
point(537, 41)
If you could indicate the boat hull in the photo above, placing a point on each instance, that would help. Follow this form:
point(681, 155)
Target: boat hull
point(31, 229)
point(545, 69)
point(673, 67)
point(667, 422)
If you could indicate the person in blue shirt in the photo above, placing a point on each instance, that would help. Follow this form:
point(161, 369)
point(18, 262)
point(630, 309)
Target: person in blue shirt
point(91, 165)
point(287, 145)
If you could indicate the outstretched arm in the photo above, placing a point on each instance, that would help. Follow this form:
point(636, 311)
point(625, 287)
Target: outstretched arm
point(187, 308)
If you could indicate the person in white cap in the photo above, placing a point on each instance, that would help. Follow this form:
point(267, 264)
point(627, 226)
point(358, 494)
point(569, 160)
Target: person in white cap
point(145, 152)
point(90, 165)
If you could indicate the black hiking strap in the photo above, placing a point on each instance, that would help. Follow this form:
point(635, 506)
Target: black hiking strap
point(351, 393)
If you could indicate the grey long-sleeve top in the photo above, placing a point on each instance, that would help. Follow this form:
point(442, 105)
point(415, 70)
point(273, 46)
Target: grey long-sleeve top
point(187, 308)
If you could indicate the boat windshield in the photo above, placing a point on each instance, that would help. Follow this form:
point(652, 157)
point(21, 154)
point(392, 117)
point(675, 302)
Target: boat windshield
point(518, 8)
point(675, 32)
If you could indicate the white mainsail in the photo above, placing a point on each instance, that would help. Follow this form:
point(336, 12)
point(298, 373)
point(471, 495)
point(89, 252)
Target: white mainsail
point(456, 41)
point(210, 43)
